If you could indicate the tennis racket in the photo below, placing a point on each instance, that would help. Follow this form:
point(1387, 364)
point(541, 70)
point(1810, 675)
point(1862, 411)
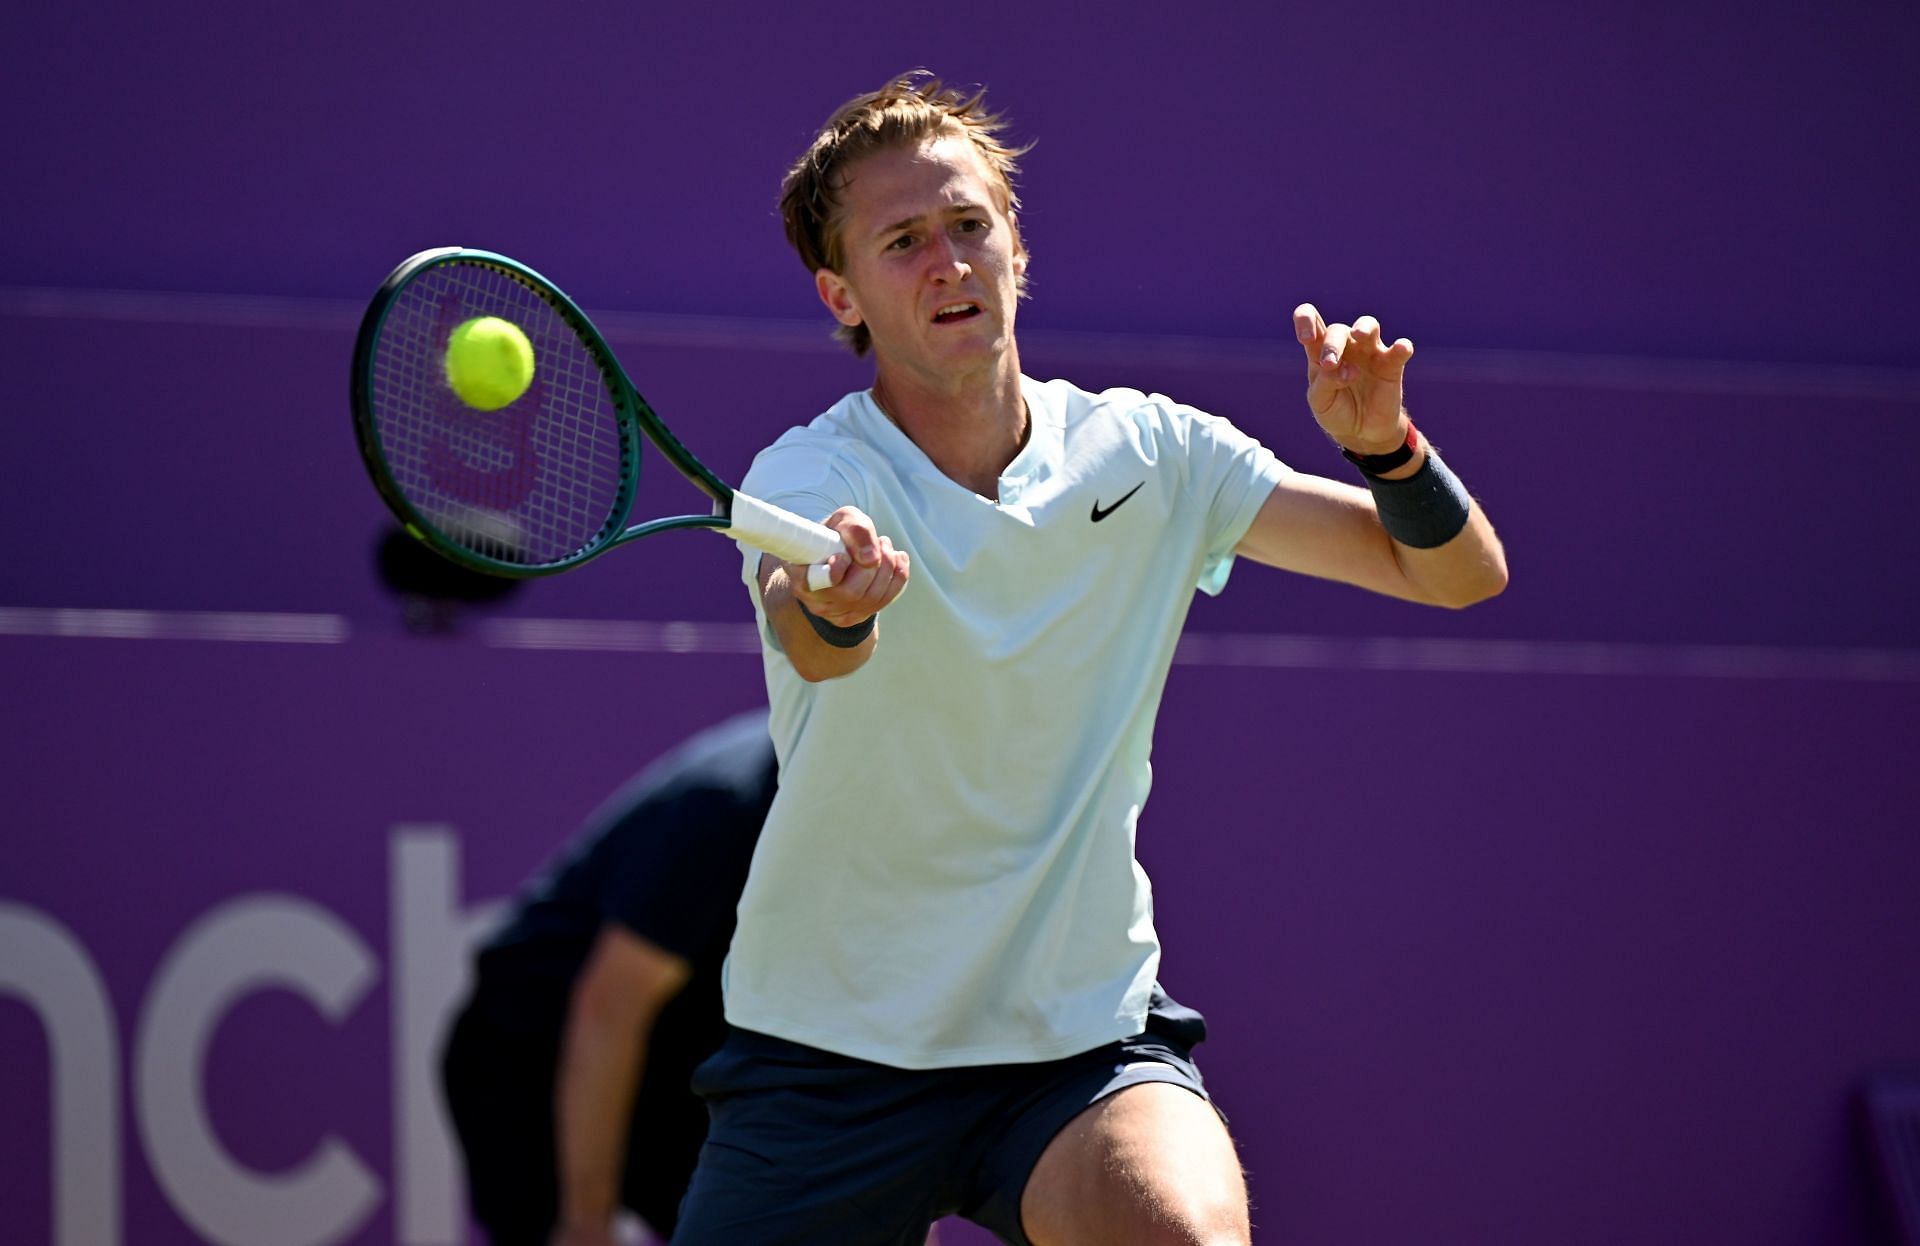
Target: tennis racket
point(548, 481)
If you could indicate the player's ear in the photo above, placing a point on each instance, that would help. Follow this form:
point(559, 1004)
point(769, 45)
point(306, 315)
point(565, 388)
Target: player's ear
point(1019, 249)
point(837, 295)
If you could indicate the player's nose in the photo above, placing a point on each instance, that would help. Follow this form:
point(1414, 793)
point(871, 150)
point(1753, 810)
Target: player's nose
point(944, 261)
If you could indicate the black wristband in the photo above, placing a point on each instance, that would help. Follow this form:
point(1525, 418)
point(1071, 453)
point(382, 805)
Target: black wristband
point(838, 637)
point(1427, 509)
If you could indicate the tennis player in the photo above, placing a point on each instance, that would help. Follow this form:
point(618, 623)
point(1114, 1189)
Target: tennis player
point(942, 985)
point(566, 1072)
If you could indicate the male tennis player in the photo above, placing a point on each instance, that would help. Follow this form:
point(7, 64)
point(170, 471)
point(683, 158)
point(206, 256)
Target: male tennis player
point(567, 1070)
point(942, 983)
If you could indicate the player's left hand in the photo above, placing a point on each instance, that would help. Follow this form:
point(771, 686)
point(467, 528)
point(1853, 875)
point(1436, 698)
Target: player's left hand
point(1353, 380)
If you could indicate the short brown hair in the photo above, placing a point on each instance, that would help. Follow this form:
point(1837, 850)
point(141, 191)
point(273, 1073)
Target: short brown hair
point(911, 108)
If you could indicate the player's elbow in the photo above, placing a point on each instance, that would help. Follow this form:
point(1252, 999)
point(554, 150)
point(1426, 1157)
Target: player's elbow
point(1488, 580)
point(812, 672)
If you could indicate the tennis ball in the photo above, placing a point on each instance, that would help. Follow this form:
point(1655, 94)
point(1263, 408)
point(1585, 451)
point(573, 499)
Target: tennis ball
point(489, 362)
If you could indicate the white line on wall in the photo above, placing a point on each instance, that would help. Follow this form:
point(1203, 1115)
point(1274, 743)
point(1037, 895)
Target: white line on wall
point(1455, 364)
point(299, 629)
point(1246, 650)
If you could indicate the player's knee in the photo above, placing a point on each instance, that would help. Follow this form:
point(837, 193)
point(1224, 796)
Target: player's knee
point(1193, 1218)
point(1192, 1235)
point(1234, 1232)
point(1221, 1225)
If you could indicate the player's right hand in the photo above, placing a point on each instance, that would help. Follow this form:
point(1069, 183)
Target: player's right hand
point(867, 575)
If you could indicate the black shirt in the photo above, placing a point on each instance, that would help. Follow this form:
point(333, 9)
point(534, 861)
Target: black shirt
point(667, 858)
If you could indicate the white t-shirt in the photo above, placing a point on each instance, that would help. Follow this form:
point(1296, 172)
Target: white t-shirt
point(947, 875)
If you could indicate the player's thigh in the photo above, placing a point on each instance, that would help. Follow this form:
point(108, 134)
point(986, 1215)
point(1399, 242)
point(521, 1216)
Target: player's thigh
point(739, 1196)
point(1148, 1165)
point(807, 1147)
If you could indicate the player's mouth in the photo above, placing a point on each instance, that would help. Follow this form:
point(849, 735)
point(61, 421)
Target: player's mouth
point(954, 313)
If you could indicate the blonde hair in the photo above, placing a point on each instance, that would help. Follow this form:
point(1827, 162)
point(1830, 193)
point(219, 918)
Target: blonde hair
point(906, 111)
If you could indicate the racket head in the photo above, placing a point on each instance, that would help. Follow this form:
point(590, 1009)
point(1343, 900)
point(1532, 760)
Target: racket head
point(535, 487)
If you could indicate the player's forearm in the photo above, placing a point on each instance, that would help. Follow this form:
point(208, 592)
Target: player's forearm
point(600, 1065)
point(1470, 568)
point(1466, 567)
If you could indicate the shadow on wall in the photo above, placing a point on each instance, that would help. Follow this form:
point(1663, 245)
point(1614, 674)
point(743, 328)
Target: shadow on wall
point(435, 595)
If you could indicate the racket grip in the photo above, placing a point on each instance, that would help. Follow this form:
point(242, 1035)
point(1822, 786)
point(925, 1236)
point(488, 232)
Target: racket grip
point(785, 535)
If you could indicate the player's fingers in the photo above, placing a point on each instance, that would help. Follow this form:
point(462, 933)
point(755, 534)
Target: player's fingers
point(1394, 358)
point(880, 590)
point(876, 577)
point(1307, 324)
point(859, 587)
point(1375, 353)
point(1333, 344)
point(857, 531)
point(845, 604)
point(889, 581)
point(846, 515)
point(1308, 329)
point(1333, 351)
point(836, 565)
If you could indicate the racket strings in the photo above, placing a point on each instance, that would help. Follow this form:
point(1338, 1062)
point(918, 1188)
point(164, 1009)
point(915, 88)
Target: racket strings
point(535, 483)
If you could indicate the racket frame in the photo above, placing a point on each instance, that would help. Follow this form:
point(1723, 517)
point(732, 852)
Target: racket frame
point(634, 415)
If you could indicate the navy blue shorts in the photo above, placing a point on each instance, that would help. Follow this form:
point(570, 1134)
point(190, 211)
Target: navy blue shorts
point(806, 1146)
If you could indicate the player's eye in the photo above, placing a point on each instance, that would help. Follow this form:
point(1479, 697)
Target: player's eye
point(970, 225)
point(901, 243)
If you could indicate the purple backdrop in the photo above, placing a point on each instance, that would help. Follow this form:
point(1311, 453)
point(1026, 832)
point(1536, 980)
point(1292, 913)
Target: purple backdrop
point(1572, 918)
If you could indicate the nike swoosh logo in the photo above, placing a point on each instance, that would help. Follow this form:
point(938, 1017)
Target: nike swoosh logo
point(1100, 512)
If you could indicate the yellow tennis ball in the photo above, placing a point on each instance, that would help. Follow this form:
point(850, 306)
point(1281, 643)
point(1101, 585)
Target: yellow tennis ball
point(489, 362)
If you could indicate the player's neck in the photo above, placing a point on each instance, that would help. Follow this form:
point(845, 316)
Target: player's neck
point(971, 427)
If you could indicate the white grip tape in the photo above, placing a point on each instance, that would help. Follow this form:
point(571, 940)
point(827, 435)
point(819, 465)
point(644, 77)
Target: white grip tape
point(785, 535)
